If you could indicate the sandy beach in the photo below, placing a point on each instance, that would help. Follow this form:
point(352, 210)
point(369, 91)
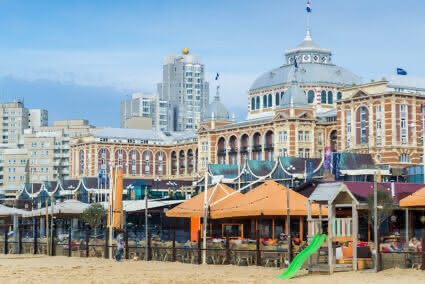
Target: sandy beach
point(41, 269)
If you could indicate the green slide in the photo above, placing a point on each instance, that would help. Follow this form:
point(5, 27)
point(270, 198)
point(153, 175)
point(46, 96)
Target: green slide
point(298, 261)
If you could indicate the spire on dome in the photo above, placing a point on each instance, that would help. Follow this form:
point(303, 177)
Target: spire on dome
point(307, 35)
point(217, 94)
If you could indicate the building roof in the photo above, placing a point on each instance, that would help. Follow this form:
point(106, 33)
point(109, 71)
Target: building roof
point(313, 72)
point(268, 199)
point(414, 83)
point(327, 192)
point(216, 110)
point(294, 97)
point(309, 74)
point(150, 135)
point(417, 199)
point(194, 207)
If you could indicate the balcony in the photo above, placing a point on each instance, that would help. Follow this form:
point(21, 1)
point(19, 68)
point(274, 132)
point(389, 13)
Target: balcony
point(221, 152)
point(268, 147)
point(244, 149)
point(257, 148)
point(233, 150)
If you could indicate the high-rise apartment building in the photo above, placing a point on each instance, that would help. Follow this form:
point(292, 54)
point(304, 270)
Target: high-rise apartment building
point(42, 154)
point(38, 118)
point(185, 89)
point(146, 106)
point(14, 119)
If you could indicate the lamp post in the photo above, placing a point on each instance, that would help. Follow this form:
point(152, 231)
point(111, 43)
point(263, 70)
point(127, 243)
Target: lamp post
point(157, 180)
point(291, 170)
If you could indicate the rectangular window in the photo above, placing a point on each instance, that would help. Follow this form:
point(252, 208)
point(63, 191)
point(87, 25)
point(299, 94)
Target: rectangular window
point(307, 136)
point(285, 136)
point(320, 139)
point(300, 135)
point(307, 153)
point(301, 153)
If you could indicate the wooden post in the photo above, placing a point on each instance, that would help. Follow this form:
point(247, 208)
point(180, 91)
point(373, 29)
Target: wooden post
point(407, 227)
point(6, 241)
point(423, 250)
point(20, 240)
point(53, 241)
point(150, 245)
point(35, 237)
point(87, 243)
point(355, 232)
point(174, 246)
point(258, 249)
point(273, 234)
point(301, 228)
point(368, 229)
point(106, 254)
point(127, 255)
point(199, 248)
point(70, 242)
point(310, 229)
point(330, 237)
point(227, 251)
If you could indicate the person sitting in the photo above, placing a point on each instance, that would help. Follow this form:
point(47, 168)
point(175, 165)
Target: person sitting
point(413, 244)
point(187, 244)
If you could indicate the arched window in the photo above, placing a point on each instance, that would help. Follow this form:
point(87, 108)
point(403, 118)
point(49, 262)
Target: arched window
point(323, 97)
point(330, 98)
point(277, 99)
point(270, 103)
point(258, 103)
point(310, 96)
point(252, 103)
point(339, 96)
point(265, 101)
point(281, 95)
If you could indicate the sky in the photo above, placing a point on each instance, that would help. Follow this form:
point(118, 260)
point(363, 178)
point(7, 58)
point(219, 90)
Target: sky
point(79, 59)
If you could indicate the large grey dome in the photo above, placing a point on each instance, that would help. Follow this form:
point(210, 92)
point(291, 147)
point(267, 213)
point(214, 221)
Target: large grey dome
point(294, 96)
point(219, 110)
point(314, 68)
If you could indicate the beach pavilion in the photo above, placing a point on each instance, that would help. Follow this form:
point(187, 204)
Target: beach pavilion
point(239, 215)
point(414, 205)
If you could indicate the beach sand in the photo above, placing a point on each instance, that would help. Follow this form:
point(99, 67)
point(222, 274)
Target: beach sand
point(75, 270)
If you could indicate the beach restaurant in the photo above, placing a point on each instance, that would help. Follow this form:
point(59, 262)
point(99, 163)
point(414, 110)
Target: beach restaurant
point(240, 216)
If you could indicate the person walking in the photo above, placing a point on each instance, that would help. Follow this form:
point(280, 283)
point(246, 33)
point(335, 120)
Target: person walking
point(120, 247)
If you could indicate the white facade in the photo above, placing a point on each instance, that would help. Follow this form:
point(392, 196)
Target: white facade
point(148, 106)
point(38, 118)
point(13, 121)
point(184, 87)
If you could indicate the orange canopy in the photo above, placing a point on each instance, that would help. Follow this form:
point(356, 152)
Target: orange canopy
point(416, 199)
point(268, 199)
point(194, 207)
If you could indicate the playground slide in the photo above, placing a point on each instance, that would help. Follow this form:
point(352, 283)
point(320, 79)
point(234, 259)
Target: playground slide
point(298, 261)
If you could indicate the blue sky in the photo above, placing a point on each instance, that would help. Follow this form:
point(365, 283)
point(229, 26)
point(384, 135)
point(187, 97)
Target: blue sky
point(78, 59)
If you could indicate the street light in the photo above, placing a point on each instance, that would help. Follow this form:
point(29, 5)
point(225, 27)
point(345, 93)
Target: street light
point(291, 170)
point(157, 180)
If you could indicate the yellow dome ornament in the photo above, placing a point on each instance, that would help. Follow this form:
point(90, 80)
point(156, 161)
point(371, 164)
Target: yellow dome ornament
point(185, 51)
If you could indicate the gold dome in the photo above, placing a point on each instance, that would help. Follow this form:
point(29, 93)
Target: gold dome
point(185, 51)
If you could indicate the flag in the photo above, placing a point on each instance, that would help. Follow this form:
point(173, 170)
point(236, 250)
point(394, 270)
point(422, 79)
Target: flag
point(401, 71)
point(216, 76)
point(308, 8)
point(309, 170)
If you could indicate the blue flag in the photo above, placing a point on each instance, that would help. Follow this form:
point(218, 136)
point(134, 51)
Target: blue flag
point(216, 76)
point(309, 170)
point(401, 71)
point(308, 8)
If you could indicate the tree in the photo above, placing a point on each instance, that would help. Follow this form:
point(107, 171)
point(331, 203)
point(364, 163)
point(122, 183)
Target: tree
point(386, 206)
point(94, 215)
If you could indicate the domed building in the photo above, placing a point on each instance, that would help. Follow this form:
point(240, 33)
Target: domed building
point(291, 112)
point(216, 110)
point(315, 73)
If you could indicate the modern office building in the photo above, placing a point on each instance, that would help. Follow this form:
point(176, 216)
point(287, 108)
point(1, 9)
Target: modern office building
point(184, 87)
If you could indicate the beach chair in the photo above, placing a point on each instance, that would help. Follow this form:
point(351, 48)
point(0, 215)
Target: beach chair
point(271, 258)
point(243, 256)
